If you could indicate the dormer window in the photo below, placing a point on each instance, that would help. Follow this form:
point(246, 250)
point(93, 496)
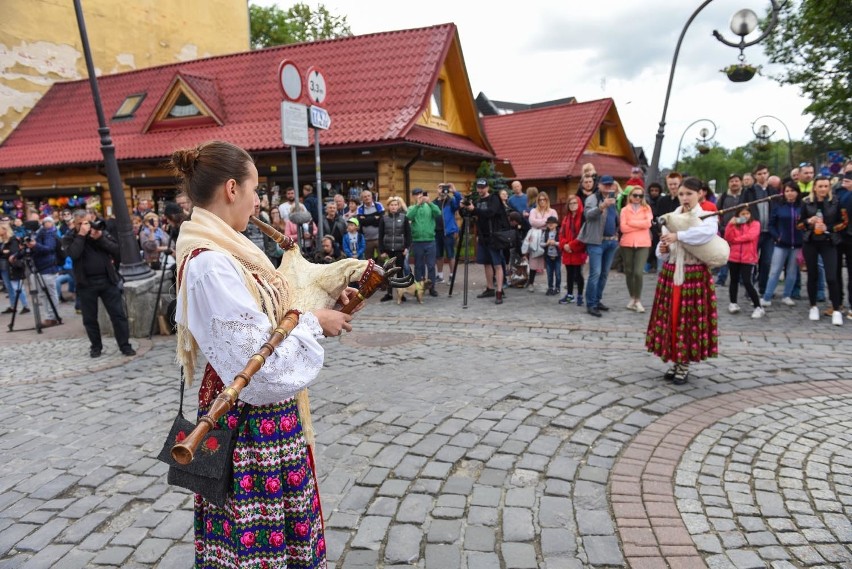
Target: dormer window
point(183, 108)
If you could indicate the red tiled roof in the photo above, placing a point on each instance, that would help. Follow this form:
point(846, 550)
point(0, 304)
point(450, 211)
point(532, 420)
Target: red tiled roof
point(378, 86)
point(615, 166)
point(550, 142)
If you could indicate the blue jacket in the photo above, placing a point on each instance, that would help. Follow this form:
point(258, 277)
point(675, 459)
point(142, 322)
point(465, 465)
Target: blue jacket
point(782, 225)
point(361, 247)
point(449, 209)
point(44, 253)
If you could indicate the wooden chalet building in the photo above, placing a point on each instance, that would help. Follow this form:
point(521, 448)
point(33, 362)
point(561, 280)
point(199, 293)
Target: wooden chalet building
point(548, 143)
point(401, 107)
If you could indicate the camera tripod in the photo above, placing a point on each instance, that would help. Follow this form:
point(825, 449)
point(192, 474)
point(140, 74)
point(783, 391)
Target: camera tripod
point(464, 240)
point(34, 281)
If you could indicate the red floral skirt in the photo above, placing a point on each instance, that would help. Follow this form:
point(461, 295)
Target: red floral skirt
point(273, 519)
point(684, 324)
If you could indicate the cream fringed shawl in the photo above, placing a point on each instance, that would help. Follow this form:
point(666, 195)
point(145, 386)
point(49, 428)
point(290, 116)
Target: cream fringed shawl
point(266, 285)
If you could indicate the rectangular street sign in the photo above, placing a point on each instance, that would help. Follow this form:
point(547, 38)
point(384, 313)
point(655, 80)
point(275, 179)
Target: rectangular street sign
point(294, 124)
point(320, 118)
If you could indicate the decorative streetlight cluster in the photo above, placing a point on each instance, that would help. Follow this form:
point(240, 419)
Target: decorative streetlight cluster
point(743, 23)
point(763, 135)
point(701, 143)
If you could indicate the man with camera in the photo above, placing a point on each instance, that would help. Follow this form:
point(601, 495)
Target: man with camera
point(94, 253)
point(491, 220)
point(445, 233)
point(45, 246)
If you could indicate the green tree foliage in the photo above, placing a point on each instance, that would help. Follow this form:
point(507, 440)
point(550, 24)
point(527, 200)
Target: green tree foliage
point(495, 178)
point(813, 43)
point(299, 23)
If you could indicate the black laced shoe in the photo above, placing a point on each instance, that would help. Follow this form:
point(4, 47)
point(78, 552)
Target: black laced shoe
point(487, 293)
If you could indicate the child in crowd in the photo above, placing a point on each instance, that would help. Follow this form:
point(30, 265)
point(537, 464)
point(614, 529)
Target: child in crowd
point(550, 244)
point(742, 233)
point(354, 244)
point(573, 251)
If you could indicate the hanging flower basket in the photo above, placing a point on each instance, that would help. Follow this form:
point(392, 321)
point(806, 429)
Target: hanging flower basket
point(702, 148)
point(740, 72)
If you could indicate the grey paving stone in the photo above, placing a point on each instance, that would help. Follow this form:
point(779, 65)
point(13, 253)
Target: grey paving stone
point(479, 538)
point(444, 531)
point(519, 556)
point(602, 550)
point(485, 496)
point(150, 550)
point(414, 508)
point(442, 556)
point(477, 560)
point(517, 524)
point(403, 545)
point(371, 532)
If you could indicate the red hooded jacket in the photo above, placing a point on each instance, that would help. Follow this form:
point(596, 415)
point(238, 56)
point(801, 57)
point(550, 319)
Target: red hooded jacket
point(568, 236)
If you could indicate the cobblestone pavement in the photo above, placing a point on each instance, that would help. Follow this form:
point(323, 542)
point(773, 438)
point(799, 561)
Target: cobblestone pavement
point(527, 435)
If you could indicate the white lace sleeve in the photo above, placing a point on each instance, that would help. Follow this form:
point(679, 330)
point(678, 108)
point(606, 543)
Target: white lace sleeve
point(229, 328)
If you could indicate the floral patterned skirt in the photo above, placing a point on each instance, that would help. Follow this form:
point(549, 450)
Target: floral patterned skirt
point(273, 519)
point(684, 324)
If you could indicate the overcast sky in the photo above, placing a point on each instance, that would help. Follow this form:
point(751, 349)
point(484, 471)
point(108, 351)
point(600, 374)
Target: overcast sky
point(538, 50)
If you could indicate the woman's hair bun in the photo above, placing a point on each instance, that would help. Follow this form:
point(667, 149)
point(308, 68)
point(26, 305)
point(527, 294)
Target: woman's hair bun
point(184, 160)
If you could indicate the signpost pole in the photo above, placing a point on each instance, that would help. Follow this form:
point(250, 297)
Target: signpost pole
point(319, 184)
point(295, 171)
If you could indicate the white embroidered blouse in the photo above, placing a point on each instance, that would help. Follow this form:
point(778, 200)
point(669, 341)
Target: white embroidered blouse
point(229, 327)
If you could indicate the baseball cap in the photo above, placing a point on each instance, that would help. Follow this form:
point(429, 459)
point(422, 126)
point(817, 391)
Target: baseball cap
point(354, 221)
point(416, 191)
point(607, 180)
point(482, 182)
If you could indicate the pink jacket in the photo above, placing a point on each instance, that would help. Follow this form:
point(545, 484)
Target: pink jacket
point(743, 241)
point(636, 227)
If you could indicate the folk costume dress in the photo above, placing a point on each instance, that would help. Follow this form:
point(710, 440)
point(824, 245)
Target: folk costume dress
point(229, 296)
point(684, 321)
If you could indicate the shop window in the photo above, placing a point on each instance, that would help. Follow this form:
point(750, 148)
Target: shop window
point(129, 106)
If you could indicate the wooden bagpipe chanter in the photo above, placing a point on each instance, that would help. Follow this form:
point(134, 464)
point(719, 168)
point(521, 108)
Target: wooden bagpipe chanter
point(312, 286)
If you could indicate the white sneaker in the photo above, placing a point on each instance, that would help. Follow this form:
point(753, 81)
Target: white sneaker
point(814, 313)
point(638, 307)
point(733, 308)
point(837, 318)
point(631, 305)
point(787, 301)
point(758, 312)
point(765, 302)
point(531, 288)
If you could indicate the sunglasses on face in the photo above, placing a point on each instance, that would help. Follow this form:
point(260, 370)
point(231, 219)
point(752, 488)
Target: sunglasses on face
point(637, 195)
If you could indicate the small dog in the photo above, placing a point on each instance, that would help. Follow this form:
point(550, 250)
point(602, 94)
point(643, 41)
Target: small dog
point(417, 289)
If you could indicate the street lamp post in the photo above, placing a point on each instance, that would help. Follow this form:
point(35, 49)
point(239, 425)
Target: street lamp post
point(704, 136)
point(132, 267)
point(742, 24)
point(763, 134)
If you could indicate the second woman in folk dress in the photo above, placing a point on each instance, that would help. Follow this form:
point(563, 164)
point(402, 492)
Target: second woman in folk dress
point(684, 322)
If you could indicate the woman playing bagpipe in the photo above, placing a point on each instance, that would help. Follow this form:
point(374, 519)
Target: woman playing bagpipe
point(683, 327)
point(229, 300)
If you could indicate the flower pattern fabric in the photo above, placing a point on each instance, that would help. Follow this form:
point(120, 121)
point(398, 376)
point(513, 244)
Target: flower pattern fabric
point(684, 321)
point(273, 519)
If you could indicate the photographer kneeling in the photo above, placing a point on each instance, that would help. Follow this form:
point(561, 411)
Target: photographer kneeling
point(93, 252)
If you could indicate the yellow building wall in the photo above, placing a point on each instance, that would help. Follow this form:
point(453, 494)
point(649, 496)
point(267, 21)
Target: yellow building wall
point(40, 42)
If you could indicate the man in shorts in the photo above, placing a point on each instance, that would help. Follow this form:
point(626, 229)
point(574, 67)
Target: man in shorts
point(490, 217)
